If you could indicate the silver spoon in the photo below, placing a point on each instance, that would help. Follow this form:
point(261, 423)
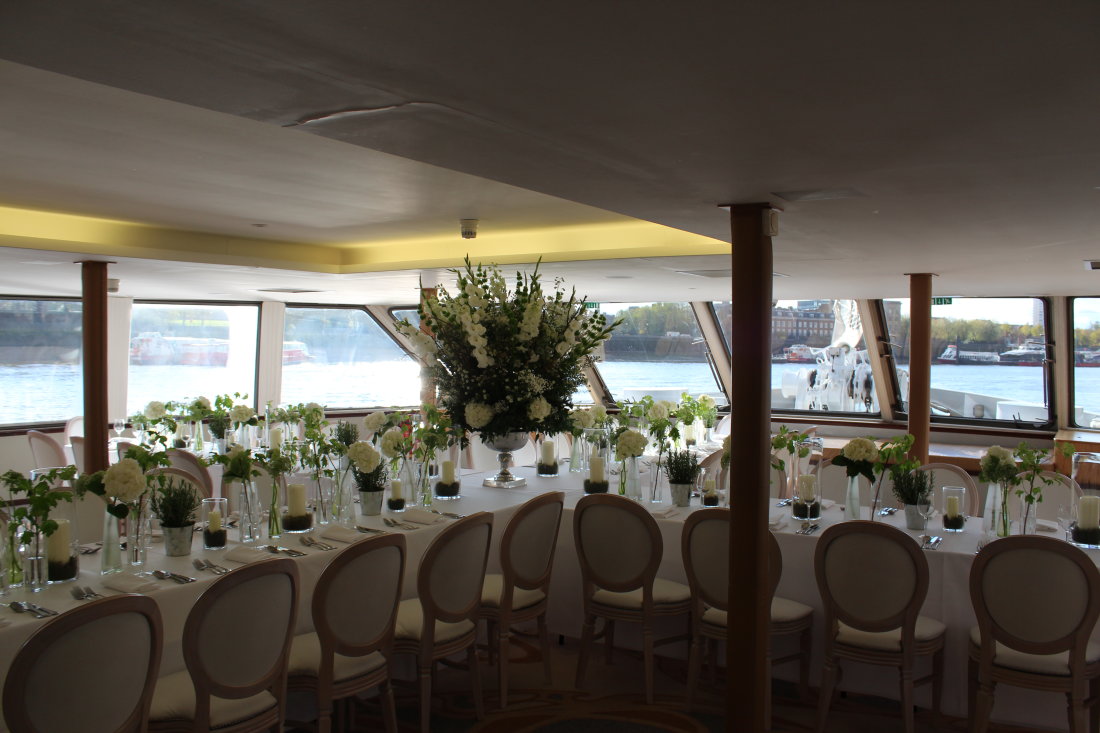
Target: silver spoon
point(20, 607)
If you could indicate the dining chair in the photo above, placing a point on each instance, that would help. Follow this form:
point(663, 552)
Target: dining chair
point(180, 475)
point(122, 447)
point(191, 463)
point(442, 619)
point(873, 580)
point(948, 474)
point(1035, 599)
point(74, 426)
point(705, 551)
point(236, 644)
point(45, 451)
point(56, 680)
point(77, 443)
point(521, 591)
point(1060, 491)
point(354, 610)
point(619, 547)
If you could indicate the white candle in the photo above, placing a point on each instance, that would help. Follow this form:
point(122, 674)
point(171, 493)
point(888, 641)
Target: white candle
point(709, 487)
point(1088, 513)
point(296, 500)
point(548, 454)
point(595, 469)
point(214, 521)
point(395, 489)
point(448, 472)
point(807, 487)
point(276, 437)
point(951, 506)
point(59, 544)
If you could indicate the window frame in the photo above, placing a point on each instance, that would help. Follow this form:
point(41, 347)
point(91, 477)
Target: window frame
point(1071, 378)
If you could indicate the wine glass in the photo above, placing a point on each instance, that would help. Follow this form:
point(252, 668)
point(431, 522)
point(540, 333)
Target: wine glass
point(1067, 517)
point(120, 425)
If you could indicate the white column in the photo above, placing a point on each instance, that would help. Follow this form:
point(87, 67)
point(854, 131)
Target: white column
point(269, 370)
point(119, 310)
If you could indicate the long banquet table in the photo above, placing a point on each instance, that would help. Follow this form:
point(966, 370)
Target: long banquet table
point(948, 596)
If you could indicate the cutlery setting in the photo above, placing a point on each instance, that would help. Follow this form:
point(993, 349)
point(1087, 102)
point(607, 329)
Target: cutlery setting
point(449, 515)
point(166, 575)
point(276, 549)
point(888, 511)
point(204, 564)
point(784, 502)
point(807, 528)
point(930, 542)
point(398, 525)
point(84, 593)
point(31, 608)
point(368, 530)
point(310, 542)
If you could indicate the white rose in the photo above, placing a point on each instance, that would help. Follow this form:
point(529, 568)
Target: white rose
point(478, 415)
point(364, 456)
point(241, 413)
point(125, 481)
point(860, 449)
point(155, 410)
point(539, 409)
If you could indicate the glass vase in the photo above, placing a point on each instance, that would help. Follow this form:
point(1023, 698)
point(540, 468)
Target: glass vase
point(250, 508)
point(423, 495)
point(275, 511)
point(576, 456)
point(851, 498)
point(630, 479)
point(196, 431)
point(1028, 516)
point(33, 555)
point(137, 532)
point(324, 493)
point(13, 565)
point(110, 558)
point(996, 519)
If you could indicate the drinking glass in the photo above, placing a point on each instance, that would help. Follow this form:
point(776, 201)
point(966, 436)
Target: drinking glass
point(120, 425)
point(1067, 517)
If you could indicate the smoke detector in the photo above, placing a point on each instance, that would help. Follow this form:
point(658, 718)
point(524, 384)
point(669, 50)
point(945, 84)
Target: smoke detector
point(468, 227)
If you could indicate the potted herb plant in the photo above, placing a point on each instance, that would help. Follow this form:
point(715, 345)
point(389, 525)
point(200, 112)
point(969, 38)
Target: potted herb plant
point(174, 503)
point(914, 490)
point(682, 469)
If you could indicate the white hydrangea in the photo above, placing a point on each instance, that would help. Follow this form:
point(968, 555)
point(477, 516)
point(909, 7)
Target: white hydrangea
point(364, 456)
point(201, 403)
point(391, 442)
point(599, 415)
point(374, 422)
point(658, 411)
point(125, 481)
point(860, 449)
point(155, 410)
point(478, 414)
point(581, 418)
point(630, 444)
point(539, 409)
point(241, 413)
point(706, 401)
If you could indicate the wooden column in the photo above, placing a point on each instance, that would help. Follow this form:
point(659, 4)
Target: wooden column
point(94, 327)
point(427, 384)
point(920, 362)
point(750, 400)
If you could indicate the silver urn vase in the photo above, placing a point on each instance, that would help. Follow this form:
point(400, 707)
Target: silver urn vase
point(504, 445)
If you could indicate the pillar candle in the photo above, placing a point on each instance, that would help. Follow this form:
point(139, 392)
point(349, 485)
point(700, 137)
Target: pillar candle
point(214, 521)
point(1088, 513)
point(395, 489)
point(807, 487)
point(709, 487)
point(276, 437)
point(548, 456)
point(296, 500)
point(59, 544)
point(448, 472)
point(595, 469)
point(951, 506)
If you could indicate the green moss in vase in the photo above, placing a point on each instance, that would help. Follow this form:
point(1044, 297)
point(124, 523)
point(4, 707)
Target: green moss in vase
point(595, 487)
point(806, 510)
point(956, 522)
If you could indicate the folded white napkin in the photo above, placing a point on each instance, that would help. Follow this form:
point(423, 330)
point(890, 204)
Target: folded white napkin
point(129, 583)
point(1045, 525)
point(666, 513)
point(777, 521)
point(827, 503)
point(341, 534)
point(419, 516)
point(244, 554)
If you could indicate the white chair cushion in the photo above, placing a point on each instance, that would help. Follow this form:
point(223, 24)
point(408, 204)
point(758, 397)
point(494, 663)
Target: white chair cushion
point(664, 592)
point(410, 622)
point(783, 611)
point(926, 629)
point(493, 587)
point(305, 659)
point(1052, 664)
point(174, 699)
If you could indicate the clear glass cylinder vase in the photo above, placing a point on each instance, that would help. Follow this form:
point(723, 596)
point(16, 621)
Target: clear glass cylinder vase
point(137, 532)
point(630, 478)
point(196, 433)
point(1028, 516)
point(851, 499)
point(110, 557)
point(576, 455)
point(250, 508)
point(33, 555)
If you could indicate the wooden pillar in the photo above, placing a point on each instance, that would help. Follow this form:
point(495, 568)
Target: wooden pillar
point(750, 401)
point(920, 362)
point(94, 327)
point(427, 384)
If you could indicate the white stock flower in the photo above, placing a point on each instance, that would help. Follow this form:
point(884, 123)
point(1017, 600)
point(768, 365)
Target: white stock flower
point(658, 411)
point(374, 422)
point(539, 409)
point(364, 456)
point(391, 442)
point(241, 413)
point(125, 481)
point(155, 410)
point(1003, 455)
point(630, 444)
point(860, 449)
point(478, 415)
point(201, 403)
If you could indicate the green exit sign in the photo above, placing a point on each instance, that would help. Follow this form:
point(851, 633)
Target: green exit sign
point(941, 301)
point(592, 306)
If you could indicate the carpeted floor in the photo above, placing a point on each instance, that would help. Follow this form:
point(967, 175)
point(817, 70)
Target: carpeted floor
point(614, 702)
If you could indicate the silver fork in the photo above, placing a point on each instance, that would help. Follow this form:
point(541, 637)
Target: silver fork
point(310, 542)
point(395, 524)
point(275, 550)
point(216, 569)
point(91, 592)
point(78, 593)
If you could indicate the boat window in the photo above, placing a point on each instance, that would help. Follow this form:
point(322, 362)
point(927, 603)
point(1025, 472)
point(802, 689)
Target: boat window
point(819, 358)
point(341, 358)
point(723, 312)
point(988, 358)
point(658, 350)
point(406, 314)
point(1086, 370)
point(40, 374)
point(184, 350)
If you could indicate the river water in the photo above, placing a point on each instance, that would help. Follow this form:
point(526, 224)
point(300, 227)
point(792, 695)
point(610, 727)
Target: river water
point(36, 393)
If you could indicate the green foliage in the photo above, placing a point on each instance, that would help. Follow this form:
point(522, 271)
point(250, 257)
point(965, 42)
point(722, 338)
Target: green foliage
point(913, 487)
point(346, 433)
point(41, 498)
point(682, 467)
point(175, 503)
point(373, 481)
point(787, 440)
point(279, 461)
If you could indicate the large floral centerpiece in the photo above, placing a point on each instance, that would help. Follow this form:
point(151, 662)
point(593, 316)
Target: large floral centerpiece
point(506, 361)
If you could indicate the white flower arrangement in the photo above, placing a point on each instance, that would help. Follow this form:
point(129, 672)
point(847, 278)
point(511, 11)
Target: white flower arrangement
point(241, 414)
point(599, 416)
point(201, 403)
point(658, 411)
point(580, 419)
point(506, 361)
point(374, 422)
point(706, 401)
point(363, 456)
point(125, 481)
point(630, 444)
point(860, 449)
point(392, 443)
point(155, 410)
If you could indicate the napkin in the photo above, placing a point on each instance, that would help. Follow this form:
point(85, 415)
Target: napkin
point(419, 516)
point(129, 583)
point(777, 521)
point(827, 504)
point(341, 534)
point(668, 513)
point(1045, 525)
point(244, 554)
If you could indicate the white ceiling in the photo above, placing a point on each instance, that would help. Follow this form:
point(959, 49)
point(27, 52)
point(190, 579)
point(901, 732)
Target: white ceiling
point(968, 129)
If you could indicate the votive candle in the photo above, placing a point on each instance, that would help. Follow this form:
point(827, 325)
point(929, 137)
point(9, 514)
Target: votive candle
point(709, 487)
point(276, 437)
point(807, 487)
point(1088, 513)
point(595, 469)
point(59, 544)
point(448, 472)
point(395, 489)
point(296, 500)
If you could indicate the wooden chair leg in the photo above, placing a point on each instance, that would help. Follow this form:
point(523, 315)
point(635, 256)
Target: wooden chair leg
point(983, 706)
point(695, 661)
point(971, 689)
point(425, 698)
point(937, 687)
point(1094, 709)
point(768, 689)
point(712, 660)
point(907, 698)
point(389, 708)
point(586, 642)
point(608, 639)
point(825, 694)
point(490, 632)
point(502, 664)
point(647, 652)
point(544, 639)
point(475, 680)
